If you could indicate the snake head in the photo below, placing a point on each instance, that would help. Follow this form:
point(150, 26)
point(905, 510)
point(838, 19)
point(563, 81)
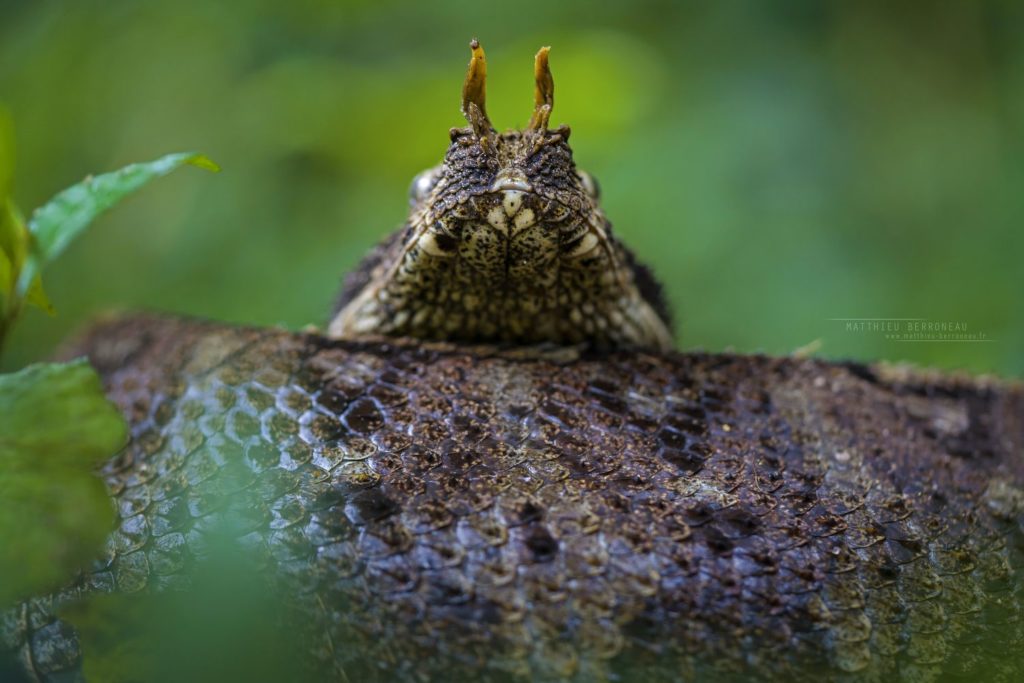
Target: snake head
point(508, 183)
point(506, 242)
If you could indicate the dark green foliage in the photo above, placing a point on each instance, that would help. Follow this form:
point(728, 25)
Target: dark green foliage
point(55, 425)
point(777, 164)
point(226, 627)
point(65, 216)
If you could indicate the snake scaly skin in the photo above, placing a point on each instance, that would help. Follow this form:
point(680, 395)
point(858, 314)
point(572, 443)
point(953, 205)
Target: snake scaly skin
point(589, 506)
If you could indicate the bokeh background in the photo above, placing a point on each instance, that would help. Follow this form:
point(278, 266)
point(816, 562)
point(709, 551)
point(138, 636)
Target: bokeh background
point(779, 164)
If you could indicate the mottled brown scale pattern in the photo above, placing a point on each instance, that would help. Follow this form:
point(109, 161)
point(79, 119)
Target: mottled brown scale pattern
point(437, 511)
point(505, 243)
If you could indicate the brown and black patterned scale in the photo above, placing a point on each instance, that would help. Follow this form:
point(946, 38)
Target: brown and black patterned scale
point(439, 508)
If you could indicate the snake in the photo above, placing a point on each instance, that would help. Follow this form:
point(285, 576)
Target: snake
point(492, 464)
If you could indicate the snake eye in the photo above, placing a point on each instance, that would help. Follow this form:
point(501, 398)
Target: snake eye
point(422, 184)
point(590, 184)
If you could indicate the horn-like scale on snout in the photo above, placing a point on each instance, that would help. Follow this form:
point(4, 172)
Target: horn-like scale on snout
point(474, 92)
point(544, 93)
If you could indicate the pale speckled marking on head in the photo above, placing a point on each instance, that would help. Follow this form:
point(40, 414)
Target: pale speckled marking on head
point(506, 242)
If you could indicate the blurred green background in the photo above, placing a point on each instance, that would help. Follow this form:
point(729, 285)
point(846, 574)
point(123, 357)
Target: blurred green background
point(779, 164)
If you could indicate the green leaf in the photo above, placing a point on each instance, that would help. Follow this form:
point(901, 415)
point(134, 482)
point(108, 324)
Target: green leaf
point(115, 632)
point(6, 278)
point(15, 240)
point(36, 296)
point(225, 626)
point(64, 217)
point(6, 154)
point(55, 426)
point(15, 246)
